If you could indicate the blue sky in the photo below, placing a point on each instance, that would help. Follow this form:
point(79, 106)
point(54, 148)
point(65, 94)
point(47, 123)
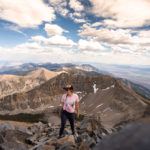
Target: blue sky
point(97, 31)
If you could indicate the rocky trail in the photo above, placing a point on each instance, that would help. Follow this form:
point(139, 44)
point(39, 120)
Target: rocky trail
point(43, 136)
point(91, 134)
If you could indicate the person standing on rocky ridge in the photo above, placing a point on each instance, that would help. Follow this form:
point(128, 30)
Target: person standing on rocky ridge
point(70, 106)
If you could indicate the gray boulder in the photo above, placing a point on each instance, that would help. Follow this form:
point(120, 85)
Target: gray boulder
point(132, 137)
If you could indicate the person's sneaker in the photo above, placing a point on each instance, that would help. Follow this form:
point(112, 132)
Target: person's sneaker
point(75, 136)
point(60, 136)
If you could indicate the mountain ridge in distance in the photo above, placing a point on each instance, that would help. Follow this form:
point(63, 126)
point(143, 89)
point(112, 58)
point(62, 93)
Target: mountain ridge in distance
point(10, 84)
point(27, 67)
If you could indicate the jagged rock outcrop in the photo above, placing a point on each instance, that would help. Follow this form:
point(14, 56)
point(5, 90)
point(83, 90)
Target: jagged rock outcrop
point(90, 135)
point(40, 136)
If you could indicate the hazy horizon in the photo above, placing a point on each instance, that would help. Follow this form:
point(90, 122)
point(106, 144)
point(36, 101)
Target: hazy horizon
point(9, 64)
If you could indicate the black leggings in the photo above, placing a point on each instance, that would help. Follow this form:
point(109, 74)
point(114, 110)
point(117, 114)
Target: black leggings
point(64, 116)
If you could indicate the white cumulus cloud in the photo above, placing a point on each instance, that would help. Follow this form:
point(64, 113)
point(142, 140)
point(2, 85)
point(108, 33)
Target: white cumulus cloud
point(123, 13)
point(53, 29)
point(57, 40)
point(26, 13)
point(117, 36)
point(90, 45)
point(76, 5)
point(60, 40)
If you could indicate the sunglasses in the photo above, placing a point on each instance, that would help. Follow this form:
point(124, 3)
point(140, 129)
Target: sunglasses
point(68, 89)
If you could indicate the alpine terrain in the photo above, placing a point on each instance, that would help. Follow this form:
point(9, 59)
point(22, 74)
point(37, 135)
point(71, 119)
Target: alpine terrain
point(110, 109)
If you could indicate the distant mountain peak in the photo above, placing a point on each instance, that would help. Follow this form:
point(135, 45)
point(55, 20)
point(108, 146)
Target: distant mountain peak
point(10, 84)
point(41, 73)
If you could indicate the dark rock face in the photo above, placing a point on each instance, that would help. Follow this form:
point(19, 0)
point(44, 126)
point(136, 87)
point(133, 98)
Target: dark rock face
point(13, 139)
point(132, 137)
point(147, 111)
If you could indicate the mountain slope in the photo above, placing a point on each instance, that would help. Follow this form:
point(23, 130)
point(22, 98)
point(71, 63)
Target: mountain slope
point(10, 84)
point(145, 92)
point(115, 103)
point(100, 95)
point(41, 73)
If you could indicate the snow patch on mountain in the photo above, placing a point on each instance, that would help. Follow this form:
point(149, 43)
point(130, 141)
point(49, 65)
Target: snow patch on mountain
point(112, 86)
point(94, 88)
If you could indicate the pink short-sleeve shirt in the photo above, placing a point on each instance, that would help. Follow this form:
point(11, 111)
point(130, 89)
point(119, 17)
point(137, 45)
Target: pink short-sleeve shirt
point(69, 102)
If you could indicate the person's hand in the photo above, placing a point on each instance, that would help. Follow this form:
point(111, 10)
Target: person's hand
point(77, 114)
